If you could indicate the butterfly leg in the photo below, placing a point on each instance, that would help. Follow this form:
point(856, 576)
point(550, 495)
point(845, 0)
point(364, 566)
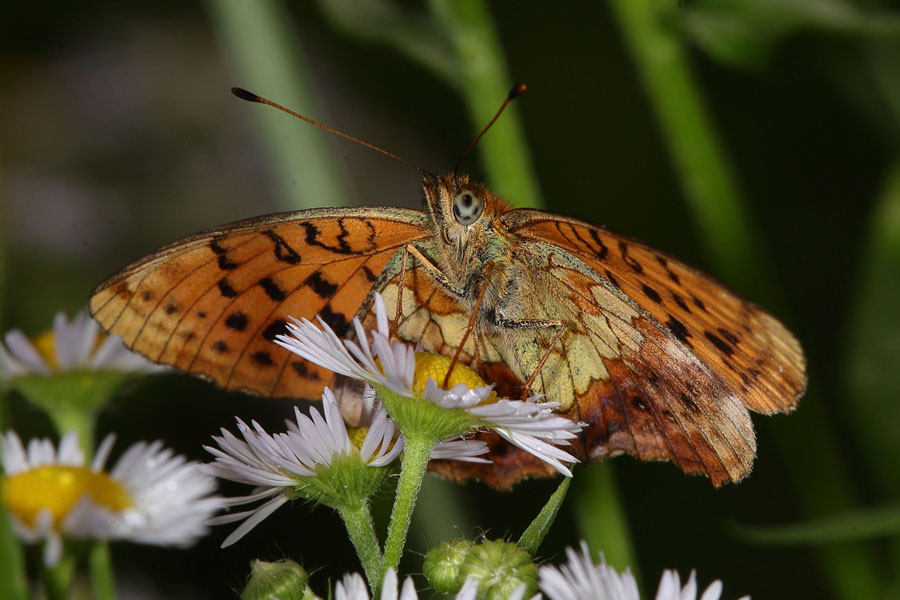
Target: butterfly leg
point(434, 271)
point(398, 312)
point(536, 324)
point(485, 278)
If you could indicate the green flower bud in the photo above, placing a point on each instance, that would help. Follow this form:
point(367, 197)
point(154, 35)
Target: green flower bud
point(499, 567)
point(282, 580)
point(442, 565)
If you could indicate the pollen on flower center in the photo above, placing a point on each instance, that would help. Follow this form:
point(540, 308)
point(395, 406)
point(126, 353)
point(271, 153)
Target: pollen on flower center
point(45, 344)
point(58, 489)
point(435, 367)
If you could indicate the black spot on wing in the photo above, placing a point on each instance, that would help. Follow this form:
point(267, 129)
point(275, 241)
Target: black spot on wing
point(225, 264)
point(263, 358)
point(342, 247)
point(236, 321)
point(303, 371)
point(651, 293)
point(719, 343)
point(730, 337)
point(283, 251)
point(698, 303)
point(601, 251)
point(220, 346)
point(275, 328)
point(629, 260)
point(321, 286)
point(678, 330)
point(272, 290)
point(612, 280)
point(681, 303)
point(171, 307)
point(337, 321)
point(226, 290)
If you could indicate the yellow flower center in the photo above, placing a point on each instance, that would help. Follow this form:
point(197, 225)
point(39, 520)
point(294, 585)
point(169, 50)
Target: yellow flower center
point(45, 344)
point(58, 489)
point(436, 367)
point(357, 435)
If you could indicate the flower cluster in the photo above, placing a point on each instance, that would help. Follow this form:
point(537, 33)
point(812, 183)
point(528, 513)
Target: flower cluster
point(150, 496)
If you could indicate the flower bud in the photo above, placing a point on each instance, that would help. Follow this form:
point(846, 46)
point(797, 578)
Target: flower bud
point(443, 562)
point(281, 580)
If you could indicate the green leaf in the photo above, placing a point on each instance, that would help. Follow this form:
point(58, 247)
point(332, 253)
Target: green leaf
point(846, 527)
point(745, 32)
point(536, 532)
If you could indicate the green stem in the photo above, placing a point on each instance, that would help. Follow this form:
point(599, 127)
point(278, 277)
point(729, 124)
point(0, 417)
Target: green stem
point(13, 584)
point(361, 528)
point(58, 579)
point(700, 162)
point(601, 517)
point(103, 584)
point(415, 461)
point(269, 62)
point(484, 82)
point(73, 418)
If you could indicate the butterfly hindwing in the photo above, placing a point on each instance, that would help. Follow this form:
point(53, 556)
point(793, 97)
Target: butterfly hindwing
point(212, 303)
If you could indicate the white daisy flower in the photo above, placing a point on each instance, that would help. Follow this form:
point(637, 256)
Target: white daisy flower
point(581, 579)
point(287, 465)
point(529, 425)
point(353, 587)
point(151, 495)
point(670, 588)
point(70, 346)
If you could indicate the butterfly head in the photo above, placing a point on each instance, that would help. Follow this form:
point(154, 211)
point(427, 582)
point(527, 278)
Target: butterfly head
point(463, 214)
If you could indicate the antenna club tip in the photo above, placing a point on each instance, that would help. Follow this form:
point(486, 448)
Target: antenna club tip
point(517, 91)
point(244, 94)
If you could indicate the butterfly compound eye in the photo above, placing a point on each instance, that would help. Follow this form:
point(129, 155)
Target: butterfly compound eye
point(467, 207)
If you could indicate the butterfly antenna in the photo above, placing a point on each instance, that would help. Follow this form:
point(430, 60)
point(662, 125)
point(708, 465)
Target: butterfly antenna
point(514, 93)
point(251, 97)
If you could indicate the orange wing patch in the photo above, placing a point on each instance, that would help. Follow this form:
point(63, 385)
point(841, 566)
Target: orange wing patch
point(212, 303)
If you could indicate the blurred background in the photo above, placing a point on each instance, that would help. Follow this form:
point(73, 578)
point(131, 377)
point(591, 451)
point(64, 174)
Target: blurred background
point(756, 139)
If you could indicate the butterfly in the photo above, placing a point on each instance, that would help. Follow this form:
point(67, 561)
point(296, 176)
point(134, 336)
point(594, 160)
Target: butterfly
point(660, 361)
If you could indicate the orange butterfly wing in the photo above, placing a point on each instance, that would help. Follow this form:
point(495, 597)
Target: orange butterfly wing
point(211, 304)
point(684, 357)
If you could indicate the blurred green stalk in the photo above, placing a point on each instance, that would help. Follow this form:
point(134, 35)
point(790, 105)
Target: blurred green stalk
point(719, 213)
point(12, 565)
point(872, 355)
point(601, 517)
point(268, 61)
point(483, 81)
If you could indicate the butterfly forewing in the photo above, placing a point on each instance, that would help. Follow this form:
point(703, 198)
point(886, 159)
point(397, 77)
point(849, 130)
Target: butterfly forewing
point(211, 304)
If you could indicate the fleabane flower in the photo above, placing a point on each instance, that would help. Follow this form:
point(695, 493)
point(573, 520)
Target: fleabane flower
point(353, 587)
point(150, 496)
point(581, 579)
point(400, 374)
point(69, 346)
point(316, 459)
